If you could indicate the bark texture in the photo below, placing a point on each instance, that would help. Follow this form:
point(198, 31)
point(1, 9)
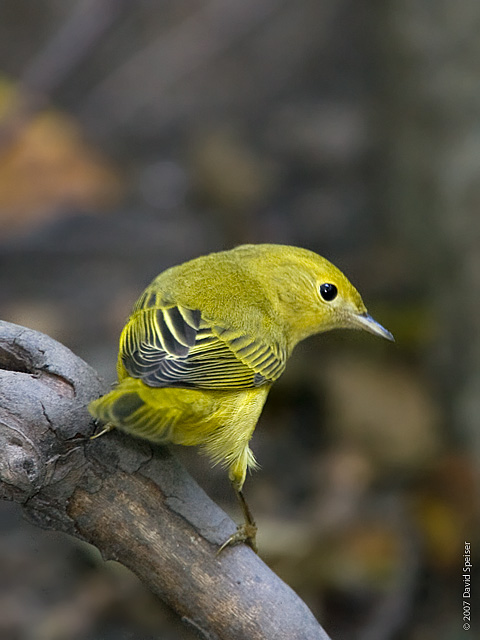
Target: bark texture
point(135, 503)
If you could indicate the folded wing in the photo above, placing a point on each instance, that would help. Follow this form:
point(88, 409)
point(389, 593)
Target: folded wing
point(175, 347)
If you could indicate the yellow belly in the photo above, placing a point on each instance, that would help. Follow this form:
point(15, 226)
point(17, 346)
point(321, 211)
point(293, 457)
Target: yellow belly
point(220, 422)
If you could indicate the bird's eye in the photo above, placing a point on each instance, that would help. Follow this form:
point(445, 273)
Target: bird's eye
point(328, 291)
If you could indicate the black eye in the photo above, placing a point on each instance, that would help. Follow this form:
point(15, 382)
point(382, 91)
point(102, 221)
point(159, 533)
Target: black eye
point(328, 291)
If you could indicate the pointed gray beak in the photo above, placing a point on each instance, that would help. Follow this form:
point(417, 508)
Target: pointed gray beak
point(367, 323)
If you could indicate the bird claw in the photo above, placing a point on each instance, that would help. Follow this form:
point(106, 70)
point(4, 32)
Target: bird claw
point(246, 533)
point(108, 427)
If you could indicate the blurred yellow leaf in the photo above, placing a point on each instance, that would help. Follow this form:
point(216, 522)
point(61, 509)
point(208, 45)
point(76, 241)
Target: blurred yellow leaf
point(385, 410)
point(47, 168)
point(447, 510)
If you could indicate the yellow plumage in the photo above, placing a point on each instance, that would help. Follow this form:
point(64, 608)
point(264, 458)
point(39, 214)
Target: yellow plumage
point(207, 339)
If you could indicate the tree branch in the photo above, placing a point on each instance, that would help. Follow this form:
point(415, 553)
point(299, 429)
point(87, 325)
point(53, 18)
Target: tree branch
point(134, 502)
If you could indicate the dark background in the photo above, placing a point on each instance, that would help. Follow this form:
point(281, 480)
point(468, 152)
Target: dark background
point(134, 136)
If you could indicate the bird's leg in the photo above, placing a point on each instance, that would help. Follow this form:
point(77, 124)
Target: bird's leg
point(249, 527)
point(246, 532)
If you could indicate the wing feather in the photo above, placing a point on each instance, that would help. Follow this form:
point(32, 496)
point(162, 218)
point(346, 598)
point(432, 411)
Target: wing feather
point(175, 347)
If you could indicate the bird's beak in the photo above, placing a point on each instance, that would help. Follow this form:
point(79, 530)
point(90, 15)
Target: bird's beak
point(367, 323)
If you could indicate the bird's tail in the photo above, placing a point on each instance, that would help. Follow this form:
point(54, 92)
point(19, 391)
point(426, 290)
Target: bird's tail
point(124, 408)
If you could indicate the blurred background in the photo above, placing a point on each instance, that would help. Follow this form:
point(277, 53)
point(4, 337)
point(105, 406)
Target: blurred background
point(134, 136)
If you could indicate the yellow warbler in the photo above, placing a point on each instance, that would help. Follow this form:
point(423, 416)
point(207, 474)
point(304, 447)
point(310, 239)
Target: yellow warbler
point(207, 339)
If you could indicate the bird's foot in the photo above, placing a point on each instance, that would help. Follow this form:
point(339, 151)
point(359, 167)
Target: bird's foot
point(246, 533)
point(108, 427)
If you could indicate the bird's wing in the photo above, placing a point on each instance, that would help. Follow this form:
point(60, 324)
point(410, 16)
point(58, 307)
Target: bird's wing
point(176, 347)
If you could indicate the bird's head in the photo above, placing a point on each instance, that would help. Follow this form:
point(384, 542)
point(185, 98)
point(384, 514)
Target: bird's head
point(314, 296)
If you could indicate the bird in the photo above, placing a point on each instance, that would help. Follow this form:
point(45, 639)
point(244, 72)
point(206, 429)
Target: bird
point(207, 339)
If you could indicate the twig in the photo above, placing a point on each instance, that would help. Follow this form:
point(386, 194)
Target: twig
point(49, 67)
point(201, 37)
point(135, 503)
point(83, 27)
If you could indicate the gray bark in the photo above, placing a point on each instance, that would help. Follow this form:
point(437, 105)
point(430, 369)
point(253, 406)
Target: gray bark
point(135, 503)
